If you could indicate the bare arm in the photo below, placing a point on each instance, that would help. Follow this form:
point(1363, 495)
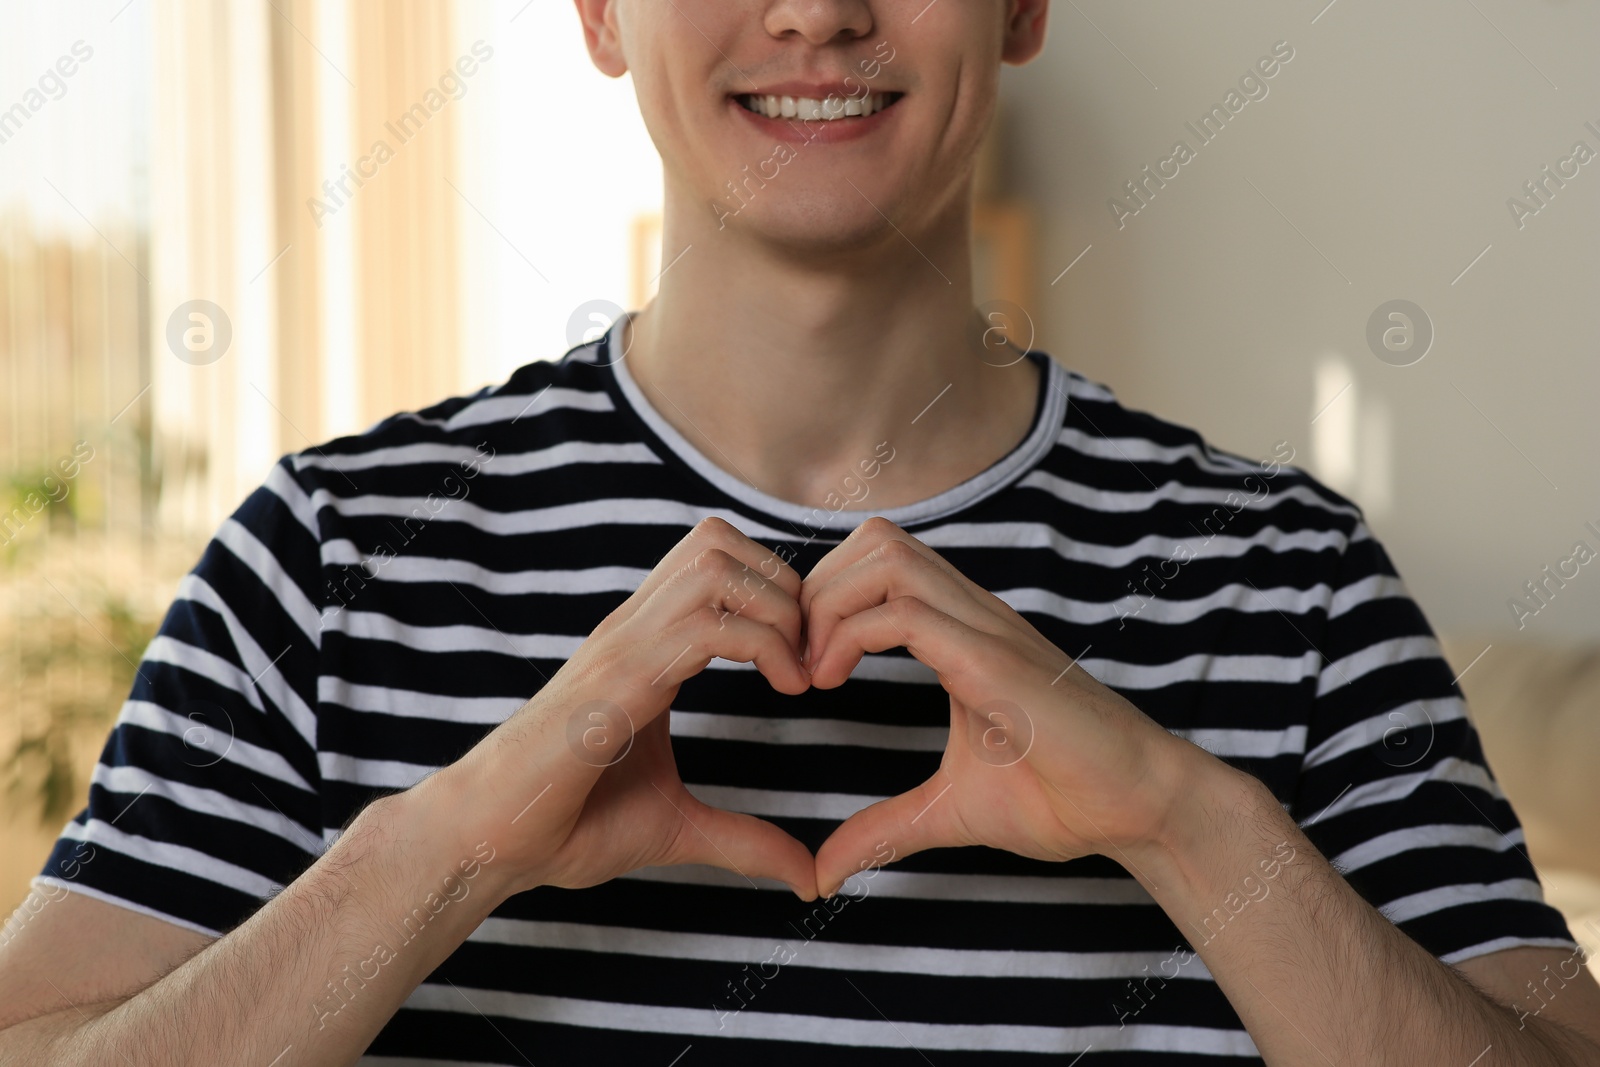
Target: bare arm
point(300, 976)
point(1319, 976)
point(575, 788)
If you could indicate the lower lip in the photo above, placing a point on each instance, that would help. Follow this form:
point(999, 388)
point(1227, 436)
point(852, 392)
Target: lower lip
point(828, 131)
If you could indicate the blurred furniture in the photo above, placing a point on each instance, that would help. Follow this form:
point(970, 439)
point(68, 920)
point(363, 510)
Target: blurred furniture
point(1537, 708)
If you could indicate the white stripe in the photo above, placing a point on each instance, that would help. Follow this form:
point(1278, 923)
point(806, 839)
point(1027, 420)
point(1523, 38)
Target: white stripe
point(265, 668)
point(283, 485)
point(1399, 786)
point(1115, 501)
point(1120, 557)
point(606, 511)
point(512, 407)
point(781, 802)
point(1373, 587)
point(1144, 450)
point(406, 567)
point(1247, 744)
point(1415, 714)
point(457, 637)
point(1082, 388)
point(264, 761)
point(780, 730)
point(915, 885)
point(1159, 609)
point(1201, 667)
point(1500, 944)
point(128, 779)
point(174, 857)
point(411, 704)
point(883, 667)
point(1375, 656)
point(1416, 838)
point(461, 637)
point(810, 951)
point(493, 463)
point(1430, 901)
point(827, 1030)
point(209, 665)
point(260, 560)
point(379, 773)
point(751, 729)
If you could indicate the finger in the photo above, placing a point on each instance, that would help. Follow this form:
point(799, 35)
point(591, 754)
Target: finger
point(743, 844)
point(864, 539)
point(718, 533)
point(953, 649)
point(710, 532)
point(680, 652)
point(918, 819)
point(893, 569)
point(718, 579)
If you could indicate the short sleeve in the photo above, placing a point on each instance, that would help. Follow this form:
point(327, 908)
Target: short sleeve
point(1395, 789)
point(205, 798)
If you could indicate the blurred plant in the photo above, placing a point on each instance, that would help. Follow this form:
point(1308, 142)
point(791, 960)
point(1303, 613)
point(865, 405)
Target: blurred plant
point(29, 496)
point(75, 671)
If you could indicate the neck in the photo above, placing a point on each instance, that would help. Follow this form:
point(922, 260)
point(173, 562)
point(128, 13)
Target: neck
point(788, 369)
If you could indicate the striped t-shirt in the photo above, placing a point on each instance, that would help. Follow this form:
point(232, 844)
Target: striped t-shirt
point(382, 601)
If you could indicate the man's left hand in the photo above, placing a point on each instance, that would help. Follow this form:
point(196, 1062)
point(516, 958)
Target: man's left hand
point(1042, 759)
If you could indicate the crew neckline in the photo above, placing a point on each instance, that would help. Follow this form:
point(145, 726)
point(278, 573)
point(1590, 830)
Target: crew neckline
point(1049, 413)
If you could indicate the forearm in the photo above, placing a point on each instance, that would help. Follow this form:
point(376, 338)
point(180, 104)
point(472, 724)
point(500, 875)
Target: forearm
point(1316, 974)
point(317, 971)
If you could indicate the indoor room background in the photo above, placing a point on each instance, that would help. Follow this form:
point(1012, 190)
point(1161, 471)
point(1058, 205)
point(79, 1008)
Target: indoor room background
point(230, 231)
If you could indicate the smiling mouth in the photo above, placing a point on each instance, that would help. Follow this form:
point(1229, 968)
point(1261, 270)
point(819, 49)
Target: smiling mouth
point(808, 109)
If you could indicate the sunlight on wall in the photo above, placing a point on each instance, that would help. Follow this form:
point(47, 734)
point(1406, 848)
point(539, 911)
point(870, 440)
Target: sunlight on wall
point(1351, 438)
point(1334, 400)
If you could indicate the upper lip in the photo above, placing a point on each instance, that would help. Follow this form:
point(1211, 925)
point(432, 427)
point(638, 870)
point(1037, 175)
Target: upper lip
point(816, 90)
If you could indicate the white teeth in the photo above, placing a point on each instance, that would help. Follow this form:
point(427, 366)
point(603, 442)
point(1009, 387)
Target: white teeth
point(808, 109)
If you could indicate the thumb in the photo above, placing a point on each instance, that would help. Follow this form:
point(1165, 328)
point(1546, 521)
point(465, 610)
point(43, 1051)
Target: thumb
point(918, 819)
point(743, 844)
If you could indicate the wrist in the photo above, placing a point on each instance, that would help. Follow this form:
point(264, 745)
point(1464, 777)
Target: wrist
point(430, 828)
point(1216, 817)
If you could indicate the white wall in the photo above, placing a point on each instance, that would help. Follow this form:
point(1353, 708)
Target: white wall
point(1388, 148)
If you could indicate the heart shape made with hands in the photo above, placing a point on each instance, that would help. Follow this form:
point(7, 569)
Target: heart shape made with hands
point(1042, 759)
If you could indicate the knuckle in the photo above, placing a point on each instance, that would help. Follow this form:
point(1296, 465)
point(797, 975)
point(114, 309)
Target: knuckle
point(717, 564)
point(877, 528)
point(905, 607)
point(713, 528)
point(703, 624)
point(899, 551)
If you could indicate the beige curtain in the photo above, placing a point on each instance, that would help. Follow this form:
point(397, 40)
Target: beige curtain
point(342, 294)
point(408, 214)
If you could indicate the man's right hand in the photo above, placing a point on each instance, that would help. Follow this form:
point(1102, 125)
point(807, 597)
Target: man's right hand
point(580, 786)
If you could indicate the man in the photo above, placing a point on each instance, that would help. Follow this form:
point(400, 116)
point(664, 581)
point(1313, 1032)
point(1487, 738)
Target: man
point(1070, 831)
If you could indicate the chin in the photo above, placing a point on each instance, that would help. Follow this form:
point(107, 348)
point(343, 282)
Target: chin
point(814, 221)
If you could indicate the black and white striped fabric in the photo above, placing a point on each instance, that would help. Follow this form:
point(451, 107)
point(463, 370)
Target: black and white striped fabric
point(383, 601)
